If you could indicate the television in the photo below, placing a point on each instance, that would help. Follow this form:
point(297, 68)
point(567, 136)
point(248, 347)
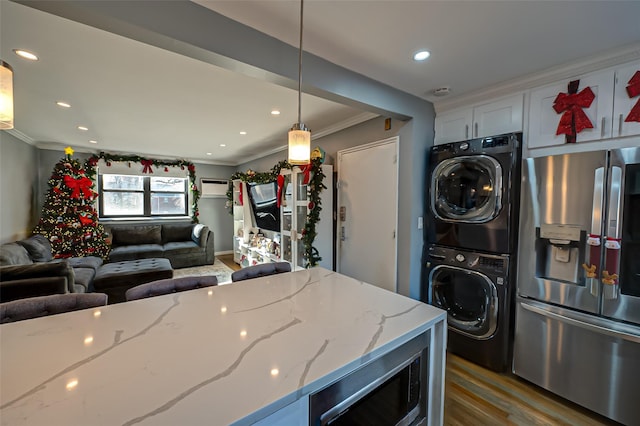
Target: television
point(264, 205)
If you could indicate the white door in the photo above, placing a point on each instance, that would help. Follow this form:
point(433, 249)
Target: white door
point(367, 213)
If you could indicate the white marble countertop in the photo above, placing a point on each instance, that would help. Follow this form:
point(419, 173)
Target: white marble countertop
point(220, 355)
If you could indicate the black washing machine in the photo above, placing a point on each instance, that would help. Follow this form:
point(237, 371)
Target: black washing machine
point(473, 193)
point(477, 291)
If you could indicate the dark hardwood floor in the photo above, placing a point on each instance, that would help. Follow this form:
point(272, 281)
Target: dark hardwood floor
point(475, 396)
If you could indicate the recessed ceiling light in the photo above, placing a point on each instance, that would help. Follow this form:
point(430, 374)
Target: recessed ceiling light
point(243, 133)
point(63, 104)
point(421, 55)
point(25, 54)
point(92, 141)
point(208, 153)
point(275, 112)
point(223, 145)
point(83, 128)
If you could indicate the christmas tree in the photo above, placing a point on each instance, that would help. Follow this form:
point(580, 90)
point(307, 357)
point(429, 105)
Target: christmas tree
point(69, 219)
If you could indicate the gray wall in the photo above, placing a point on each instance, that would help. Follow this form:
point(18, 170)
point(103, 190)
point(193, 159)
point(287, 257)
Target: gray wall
point(18, 188)
point(372, 131)
point(202, 34)
point(369, 131)
point(212, 210)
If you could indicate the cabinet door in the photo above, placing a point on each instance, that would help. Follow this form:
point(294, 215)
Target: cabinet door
point(300, 218)
point(453, 126)
point(294, 213)
point(498, 117)
point(622, 103)
point(287, 225)
point(543, 119)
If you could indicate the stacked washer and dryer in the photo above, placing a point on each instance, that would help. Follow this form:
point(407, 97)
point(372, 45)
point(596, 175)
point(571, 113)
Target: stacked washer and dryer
point(469, 258)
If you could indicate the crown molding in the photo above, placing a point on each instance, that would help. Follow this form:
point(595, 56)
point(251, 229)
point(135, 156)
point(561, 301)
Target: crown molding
point(355, 120)
point(572, 69)
point(19, 135)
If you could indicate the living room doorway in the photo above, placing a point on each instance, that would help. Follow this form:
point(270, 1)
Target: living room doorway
point(368, 213)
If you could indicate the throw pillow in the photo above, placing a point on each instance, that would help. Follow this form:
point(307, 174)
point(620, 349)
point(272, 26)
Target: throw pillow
point(137, 235)
point(39, 248)
point(176, 233)
point(197, 230)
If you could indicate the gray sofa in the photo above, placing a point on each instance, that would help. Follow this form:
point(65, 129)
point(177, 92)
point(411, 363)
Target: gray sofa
point(28, 269)
point(184, 244)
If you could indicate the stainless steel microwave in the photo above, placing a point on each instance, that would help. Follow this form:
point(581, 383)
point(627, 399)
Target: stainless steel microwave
point(388, 391)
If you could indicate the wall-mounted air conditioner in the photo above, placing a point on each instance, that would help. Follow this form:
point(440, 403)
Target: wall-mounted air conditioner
point(213, 187)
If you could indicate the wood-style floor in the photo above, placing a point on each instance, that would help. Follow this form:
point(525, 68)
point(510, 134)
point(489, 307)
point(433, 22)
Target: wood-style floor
point(227, 259)
point(475, 396)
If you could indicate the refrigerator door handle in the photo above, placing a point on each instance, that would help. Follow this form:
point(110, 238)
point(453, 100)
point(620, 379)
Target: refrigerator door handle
point(594, 241)
point(618, 334)
point(612, 244)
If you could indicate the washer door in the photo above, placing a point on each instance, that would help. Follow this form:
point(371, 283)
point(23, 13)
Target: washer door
point(469, 297)
point(467, 189)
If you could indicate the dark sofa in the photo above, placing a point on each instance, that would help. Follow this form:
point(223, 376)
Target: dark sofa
point(184, 244)
point(27, 269)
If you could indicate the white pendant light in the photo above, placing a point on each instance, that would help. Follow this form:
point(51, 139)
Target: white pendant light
point(6, 96)
point(299, 135)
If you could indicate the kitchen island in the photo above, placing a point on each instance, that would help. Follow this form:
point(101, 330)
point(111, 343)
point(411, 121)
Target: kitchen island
point(252, 351)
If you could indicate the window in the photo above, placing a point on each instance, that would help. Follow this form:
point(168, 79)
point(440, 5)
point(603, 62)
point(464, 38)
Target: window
point(142, 196)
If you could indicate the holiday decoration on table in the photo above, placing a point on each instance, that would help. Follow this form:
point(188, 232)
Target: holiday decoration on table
point(571, 104)
point(69, 219)
point(633, 89)
point(313, 178)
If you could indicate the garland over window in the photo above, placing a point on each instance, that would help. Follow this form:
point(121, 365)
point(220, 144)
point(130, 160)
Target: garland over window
point(314, 188)
point(148, 163)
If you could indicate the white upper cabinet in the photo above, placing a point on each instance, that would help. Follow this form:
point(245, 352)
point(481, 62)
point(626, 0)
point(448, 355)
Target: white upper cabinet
point(489, 119)
point(453, 126)
point(623, 103)
point(606, 113)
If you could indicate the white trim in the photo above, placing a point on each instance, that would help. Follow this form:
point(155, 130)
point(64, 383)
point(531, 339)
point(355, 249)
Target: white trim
point(19, 135)
point(582, 66)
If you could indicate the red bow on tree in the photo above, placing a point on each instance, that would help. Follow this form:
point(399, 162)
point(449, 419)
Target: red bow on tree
point(82, 184)
point(573, 120)
point(306, 169)
point(147, 166)
point(633, 89)
point(84, 220)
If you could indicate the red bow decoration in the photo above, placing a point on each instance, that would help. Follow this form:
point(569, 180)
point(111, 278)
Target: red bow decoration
point(306, 169)
point(280, 187)
point(633, 89)
point(147, 166)
point(240, 195)
point(84, 220)
point(82, 184)
point(574, 120)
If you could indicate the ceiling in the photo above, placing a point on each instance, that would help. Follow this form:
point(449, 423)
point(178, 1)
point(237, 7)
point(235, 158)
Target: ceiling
point(136, 98)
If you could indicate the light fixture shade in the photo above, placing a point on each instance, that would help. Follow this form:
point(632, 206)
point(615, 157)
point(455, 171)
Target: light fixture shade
point(6, 96)
point(299, 145)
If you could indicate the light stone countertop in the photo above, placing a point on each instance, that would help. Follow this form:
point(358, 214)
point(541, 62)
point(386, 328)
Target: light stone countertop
point(229, 354)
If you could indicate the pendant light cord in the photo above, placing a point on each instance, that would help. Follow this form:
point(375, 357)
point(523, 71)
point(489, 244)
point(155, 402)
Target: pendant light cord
point(300, 66)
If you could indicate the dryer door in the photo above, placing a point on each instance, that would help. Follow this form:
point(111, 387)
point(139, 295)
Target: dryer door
point(467, 189)
point(469, 297)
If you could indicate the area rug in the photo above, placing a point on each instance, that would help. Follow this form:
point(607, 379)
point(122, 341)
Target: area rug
point(219, 269)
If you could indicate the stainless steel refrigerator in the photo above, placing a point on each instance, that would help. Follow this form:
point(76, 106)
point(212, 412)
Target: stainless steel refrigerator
point(578, 304)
